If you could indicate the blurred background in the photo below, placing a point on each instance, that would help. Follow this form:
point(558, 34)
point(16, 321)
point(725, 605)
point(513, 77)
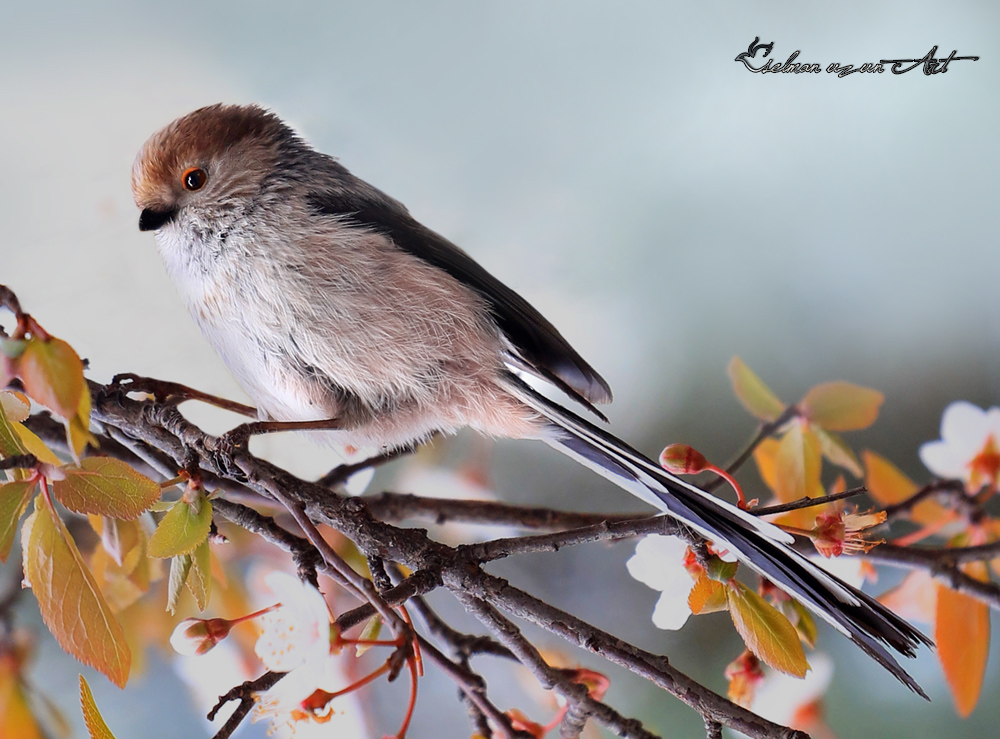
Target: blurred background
point(665, 208)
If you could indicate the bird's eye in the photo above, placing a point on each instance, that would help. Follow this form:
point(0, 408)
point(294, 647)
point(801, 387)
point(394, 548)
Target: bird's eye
point(194, 178)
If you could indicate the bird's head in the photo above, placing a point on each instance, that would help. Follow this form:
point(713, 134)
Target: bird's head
point(207, 166)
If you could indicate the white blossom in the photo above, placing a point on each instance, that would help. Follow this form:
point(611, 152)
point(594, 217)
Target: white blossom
point(968, 447)
point(658, 562)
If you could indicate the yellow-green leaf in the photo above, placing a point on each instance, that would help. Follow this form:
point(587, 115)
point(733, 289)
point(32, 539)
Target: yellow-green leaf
point(78, 428)
point(34, 445)
point(755, 396)
point(962, 633)
point(10, 442)
point(372, 629)
point(180, 568)
point(182, 529)
point(14, 498)
point(766, 632)
point(842, 406)
point(888, 485)
point(53, 375)
point(199, 579)
point(707, 596)
point(802, 620)
point(70, 602)
point(107, 487)
point(798, 465)
point(91, 716)
point(834, 449)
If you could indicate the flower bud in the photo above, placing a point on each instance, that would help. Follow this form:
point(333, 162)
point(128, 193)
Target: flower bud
point(195, 636)
point(682, 460)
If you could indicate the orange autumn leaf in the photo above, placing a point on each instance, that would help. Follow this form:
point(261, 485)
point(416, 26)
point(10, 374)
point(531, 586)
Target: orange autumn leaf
point(16, 717)
point(707, 596)
point(962, 633)
point(766, 457)
point(53, 375)
point(798, 465)
point(70, 602)
point(842, 406)
point(91, 716)
point(888, 485)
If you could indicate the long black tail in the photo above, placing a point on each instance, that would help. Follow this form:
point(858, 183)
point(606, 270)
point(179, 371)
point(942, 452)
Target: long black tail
point(760, 545)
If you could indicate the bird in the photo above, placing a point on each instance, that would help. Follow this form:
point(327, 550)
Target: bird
point(334, 308)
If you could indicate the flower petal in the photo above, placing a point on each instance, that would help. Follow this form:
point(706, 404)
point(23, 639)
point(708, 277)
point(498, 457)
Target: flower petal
point(658, 562)
point(672, 610)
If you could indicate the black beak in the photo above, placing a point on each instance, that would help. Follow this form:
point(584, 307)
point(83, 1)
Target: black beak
point(150, 220)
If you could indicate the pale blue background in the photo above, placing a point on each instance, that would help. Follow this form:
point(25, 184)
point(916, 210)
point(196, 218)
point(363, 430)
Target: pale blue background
point(610, 161)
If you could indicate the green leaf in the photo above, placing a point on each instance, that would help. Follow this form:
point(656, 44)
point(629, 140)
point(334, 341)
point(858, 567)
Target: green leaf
point(70, 602)
point(720, 570)
point(91, 716)
point(834, 449)
point(842, 406)
point(106, 487)
point(180, 568)
point(766, 632)
point(53, 375)
point(370, 633)
point(14, 498)
point(182, 529)
point(199, 579)
point(755, 396)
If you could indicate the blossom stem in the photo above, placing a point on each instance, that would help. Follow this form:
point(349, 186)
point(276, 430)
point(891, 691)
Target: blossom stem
point(740, 498)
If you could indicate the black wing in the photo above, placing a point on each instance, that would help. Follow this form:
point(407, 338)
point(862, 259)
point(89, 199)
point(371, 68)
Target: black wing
point(543, 348)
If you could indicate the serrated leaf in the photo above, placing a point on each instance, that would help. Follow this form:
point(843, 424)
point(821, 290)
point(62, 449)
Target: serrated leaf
point(15, 406)
point(14, 498)
point(91, 716)
point(53, 375)
point(842, 406)
point(766, 632)
point(888, 485)
point(199, 579)
point(707, 596)
point(180, 568)
point(798, 465)
point(755, 396)
point(16, 717)
point(962, 633)
point(70, 602)
point(106, 487)
point(836, 450)
point(182, 529)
